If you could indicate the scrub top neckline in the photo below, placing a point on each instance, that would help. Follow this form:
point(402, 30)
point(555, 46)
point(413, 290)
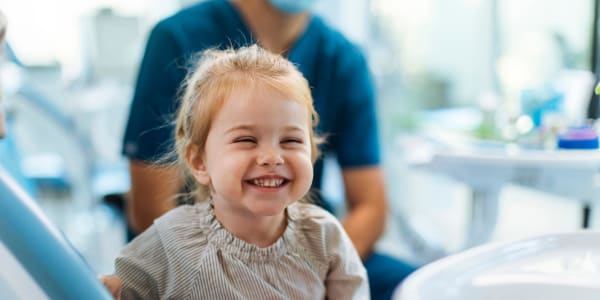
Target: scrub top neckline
point(245, 30)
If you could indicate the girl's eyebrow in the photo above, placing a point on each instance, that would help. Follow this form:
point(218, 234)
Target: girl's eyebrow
point(240, 127)
point(294, 128)
point(245, 127)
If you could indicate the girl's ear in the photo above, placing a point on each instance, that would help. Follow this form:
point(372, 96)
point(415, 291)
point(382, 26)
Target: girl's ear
point(196, 162)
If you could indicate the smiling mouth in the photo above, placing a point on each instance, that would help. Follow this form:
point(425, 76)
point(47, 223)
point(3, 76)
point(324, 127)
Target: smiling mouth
point(268, 183)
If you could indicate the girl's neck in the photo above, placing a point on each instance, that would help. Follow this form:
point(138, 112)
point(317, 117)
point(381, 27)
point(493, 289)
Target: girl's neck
point(259, 231)
point(273, 29)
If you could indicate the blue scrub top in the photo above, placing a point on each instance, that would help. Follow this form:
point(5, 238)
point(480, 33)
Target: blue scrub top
point(336, 70)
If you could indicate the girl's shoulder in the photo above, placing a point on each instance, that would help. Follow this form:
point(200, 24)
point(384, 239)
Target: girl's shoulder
point(310, 213)
point(315, 225)
point(198, 214)
point(185, 224)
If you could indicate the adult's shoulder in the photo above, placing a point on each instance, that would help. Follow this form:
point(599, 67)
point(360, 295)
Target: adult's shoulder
point(334, 44)
point(205, 20)
point(195, 16)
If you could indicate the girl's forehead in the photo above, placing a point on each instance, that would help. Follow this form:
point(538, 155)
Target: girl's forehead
point(259, 98)
point(246, 91)
point(249, 90)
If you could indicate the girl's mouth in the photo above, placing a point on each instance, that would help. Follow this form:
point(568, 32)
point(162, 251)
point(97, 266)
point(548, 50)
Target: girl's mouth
point(268, 182)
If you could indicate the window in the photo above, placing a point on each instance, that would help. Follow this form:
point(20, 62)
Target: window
point(439, 54)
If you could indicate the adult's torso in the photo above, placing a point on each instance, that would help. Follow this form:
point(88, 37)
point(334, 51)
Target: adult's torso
point(316, 53)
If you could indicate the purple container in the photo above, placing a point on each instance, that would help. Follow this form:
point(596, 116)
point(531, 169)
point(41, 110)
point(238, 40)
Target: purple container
point(583, 137)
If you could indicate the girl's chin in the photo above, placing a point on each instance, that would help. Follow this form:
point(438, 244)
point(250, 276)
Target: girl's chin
point(268, 211)
point(267, 208)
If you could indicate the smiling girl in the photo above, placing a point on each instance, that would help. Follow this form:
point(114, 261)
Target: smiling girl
point(245, 135)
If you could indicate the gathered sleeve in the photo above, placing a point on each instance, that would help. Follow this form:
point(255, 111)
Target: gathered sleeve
point(142, 266)
point(347, 276)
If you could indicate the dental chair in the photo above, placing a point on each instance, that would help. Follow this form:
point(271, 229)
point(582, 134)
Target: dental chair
point(36, 260)
point(50, 171)
point(562, 266)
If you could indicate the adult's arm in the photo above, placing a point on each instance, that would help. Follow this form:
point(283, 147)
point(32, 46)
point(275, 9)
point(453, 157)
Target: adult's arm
point(357, 148)
point(153, 192)
point(149, 132)
point(367, 207)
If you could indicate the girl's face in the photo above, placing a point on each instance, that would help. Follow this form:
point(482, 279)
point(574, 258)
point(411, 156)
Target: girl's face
point(257, 156)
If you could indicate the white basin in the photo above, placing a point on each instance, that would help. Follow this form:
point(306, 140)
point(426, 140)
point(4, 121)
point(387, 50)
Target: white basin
point(553, 267)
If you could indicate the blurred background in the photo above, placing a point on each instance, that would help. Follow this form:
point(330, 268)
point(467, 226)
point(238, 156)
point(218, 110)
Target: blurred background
point(511, 71)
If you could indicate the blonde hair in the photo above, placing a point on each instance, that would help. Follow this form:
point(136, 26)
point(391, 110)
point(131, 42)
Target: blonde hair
point(216, 75)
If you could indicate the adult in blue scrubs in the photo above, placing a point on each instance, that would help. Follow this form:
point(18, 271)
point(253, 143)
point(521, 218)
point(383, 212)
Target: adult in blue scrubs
point(343, 93)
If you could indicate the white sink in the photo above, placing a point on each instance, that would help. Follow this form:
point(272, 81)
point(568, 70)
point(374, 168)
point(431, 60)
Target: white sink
point(553, 267)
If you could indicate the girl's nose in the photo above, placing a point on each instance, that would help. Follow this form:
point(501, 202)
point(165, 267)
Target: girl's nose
point(270, 156)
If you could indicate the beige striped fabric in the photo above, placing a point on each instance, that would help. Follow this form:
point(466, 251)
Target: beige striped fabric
point(187, 254)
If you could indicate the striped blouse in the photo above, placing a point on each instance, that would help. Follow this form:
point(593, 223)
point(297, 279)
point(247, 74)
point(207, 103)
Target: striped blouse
point(188, 254)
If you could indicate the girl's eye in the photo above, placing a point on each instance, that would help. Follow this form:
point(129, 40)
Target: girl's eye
point(292, 141)
point(244, 140)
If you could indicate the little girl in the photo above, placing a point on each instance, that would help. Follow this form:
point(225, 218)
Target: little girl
point(245, 134)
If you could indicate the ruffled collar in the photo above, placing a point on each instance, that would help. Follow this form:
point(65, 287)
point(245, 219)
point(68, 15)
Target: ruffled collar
point(223, 240)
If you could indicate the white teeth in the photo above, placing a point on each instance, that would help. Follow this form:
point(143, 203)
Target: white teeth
point(268, 182)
